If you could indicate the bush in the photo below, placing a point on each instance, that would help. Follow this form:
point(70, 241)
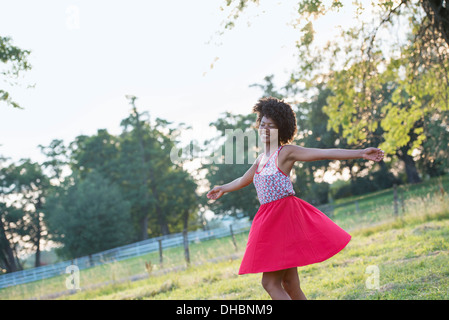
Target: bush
point(88, 217)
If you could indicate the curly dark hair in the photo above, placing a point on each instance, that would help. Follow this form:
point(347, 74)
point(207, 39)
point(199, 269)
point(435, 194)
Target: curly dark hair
point(281, 113)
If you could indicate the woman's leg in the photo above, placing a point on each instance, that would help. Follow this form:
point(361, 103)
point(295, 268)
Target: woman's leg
point(290, 283)
point(272, 283)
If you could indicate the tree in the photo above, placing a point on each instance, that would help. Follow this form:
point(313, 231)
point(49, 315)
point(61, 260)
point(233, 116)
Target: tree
point(99, 152)
point(433, 160)
point(142, 166)
point(437, 12)
point(24, 188)
point(414, 68)
point(57, 159)
point(313, 133)
point(89, 216)
point(10, 220)
point(138, 161)
point(359, 64)
point(146, 165)
point(32, 185)
point(243, 201)
point(16, 62)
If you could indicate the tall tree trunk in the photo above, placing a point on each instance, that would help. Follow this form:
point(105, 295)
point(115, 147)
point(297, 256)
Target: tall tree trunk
point(144, 226)
point(144, 175)
point(438, 15)
point(162, 221)
point(163, 225)
point(38, 236)
point(410, 167)
point(7, 252)
point(37, 261)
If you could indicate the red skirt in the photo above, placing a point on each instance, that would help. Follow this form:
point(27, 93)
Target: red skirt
point(288, 233)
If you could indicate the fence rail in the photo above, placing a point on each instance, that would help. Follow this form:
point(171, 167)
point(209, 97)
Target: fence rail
point(120, 253)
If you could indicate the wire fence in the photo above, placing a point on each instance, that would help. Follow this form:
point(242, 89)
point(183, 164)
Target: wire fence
point(120, 253)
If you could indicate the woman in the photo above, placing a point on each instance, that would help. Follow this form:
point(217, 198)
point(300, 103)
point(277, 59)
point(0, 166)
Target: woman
point(287, 232)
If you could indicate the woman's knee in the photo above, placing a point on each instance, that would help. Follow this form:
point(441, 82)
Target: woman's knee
point(270, 282)
point(291, 286)
point(290, 280)
point(286, 283)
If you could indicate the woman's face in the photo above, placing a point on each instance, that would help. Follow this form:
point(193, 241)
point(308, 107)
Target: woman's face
point(268, 130)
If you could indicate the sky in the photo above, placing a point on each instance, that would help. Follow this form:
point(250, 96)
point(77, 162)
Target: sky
point(87, 55)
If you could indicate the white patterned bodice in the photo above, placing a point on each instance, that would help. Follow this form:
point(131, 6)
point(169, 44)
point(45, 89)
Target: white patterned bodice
point(270, 182)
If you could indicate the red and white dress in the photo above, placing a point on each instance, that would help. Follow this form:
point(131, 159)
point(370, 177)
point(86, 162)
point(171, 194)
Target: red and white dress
point(287, 231)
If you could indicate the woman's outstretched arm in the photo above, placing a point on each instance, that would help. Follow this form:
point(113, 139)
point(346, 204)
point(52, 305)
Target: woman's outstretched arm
point(237, 184)
point(297, 153)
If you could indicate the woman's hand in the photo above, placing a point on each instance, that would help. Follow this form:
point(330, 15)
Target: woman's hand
point(215, 193)
point(373, 154)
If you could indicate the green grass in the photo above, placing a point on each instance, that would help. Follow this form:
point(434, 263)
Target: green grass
point(412, 258)
point(411, 252)
point(377, 207)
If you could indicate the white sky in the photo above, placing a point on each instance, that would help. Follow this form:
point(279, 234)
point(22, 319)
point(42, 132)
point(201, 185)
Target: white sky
point(87, 55)
point(155, 50)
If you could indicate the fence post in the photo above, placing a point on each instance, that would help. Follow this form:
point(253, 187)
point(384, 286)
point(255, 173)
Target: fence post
point(186, 247)
point(233, 237)
point(161, 259)
point(395, 199)
point(402, 201)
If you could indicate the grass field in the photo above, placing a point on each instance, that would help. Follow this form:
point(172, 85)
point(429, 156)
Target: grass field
point(408, 253)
